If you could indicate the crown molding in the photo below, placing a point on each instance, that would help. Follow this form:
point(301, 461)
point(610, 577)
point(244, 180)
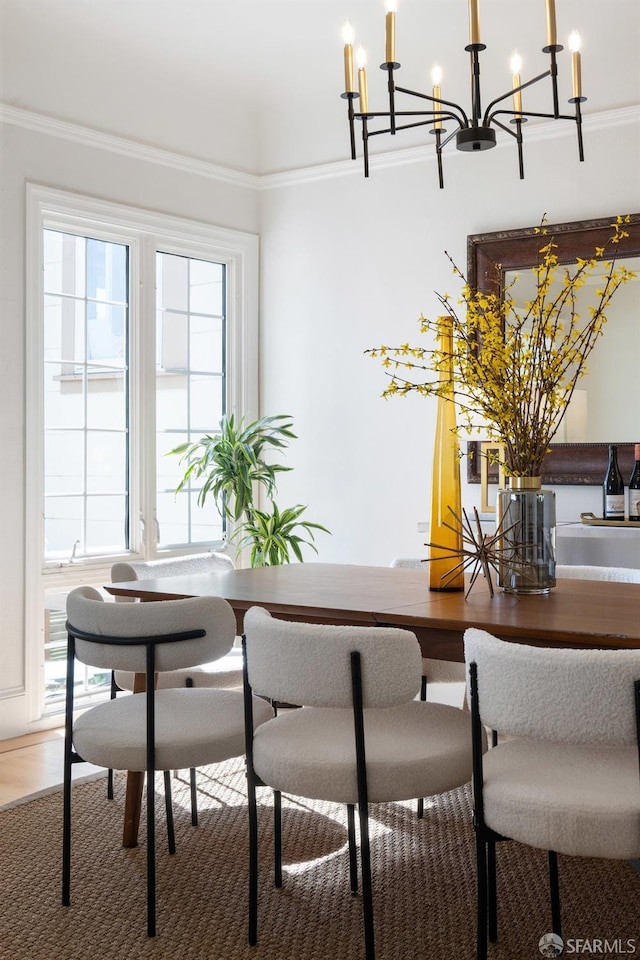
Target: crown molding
point(39, 123)
point(88, 137)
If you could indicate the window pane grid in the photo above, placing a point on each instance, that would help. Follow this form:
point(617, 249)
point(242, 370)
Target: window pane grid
point(191, 329)
point(86, 396)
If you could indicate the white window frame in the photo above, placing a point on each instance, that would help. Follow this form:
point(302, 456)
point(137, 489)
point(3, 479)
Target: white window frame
point(145, 232)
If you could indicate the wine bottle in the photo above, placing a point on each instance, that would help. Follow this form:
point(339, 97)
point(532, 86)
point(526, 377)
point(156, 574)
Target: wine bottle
point(634, 487)
point(613, 488)
point(445, 568)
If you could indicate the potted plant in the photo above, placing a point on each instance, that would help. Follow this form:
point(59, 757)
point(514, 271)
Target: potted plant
point(234, 466)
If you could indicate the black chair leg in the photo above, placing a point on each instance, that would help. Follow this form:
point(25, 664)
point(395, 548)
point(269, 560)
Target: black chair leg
point(353, 851)
point(68, 761)
point(277, 838)
point(66, 833)
point(168, 804)
point(423, 697)
point(114, 690)
point(492, 890)
point(192, 778)
point(194, 797)
point(151, 854)
point(554, 883)
point(253, 859)
point(481, 871)
point(367, 893)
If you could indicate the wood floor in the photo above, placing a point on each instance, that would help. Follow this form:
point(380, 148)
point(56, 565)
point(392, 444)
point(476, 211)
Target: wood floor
point(33, 763)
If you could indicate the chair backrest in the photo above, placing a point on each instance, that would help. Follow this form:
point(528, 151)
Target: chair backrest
point(310, 664)
point(587, 572)
point(576, 696)
point(410, 563)
point(123, 572)
point(87, 612)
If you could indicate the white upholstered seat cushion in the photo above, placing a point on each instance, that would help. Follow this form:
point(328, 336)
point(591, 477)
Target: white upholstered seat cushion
point(580, 800)
point(193, 727)
point(415, 749)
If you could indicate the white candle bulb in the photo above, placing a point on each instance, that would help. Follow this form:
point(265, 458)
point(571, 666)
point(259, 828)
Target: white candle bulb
point(436, 75)
point(515, 63)
point(347, 33)
point(575, 42)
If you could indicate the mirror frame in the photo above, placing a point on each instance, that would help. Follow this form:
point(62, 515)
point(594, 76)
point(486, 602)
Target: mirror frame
point(489, 258)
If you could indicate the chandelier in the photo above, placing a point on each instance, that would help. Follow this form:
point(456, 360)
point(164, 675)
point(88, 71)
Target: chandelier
point(472, 133)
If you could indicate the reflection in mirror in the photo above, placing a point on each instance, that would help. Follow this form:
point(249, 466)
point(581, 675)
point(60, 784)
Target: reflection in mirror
point(602, 409)
point(603, 412)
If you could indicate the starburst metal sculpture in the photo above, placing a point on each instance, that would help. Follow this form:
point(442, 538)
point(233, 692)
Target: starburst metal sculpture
point(482, 552)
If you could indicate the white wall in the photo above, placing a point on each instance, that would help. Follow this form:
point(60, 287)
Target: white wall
point(349, 263)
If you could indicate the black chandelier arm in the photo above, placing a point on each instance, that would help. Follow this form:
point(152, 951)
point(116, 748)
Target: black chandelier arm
point(464, 122)
point(409, 126)
point(503, 126)
point(448, 139)
point(510, 93)
point(528, 113)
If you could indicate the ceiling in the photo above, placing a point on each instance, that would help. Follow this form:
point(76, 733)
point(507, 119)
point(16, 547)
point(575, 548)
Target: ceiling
point(255, 84)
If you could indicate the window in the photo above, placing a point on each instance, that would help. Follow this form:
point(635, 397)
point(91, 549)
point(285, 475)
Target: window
point(141, 336)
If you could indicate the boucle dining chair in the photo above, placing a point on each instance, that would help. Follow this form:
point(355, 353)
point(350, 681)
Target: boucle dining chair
point(360, 737)
point(226, 672)
point(566, 779)
point(161, 729)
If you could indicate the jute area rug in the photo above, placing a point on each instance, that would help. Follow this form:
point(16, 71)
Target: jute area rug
point(424, 883)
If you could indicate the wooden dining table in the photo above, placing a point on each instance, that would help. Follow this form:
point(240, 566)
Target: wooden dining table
point(576, 613)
